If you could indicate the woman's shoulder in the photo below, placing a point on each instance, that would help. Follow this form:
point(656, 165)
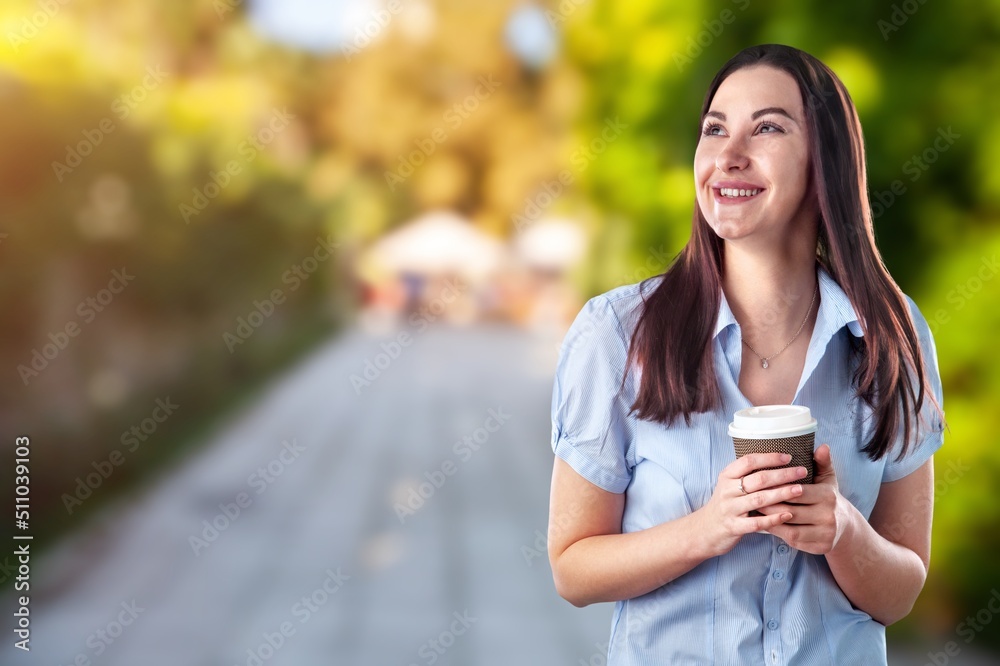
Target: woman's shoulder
point(624, 302)
point(920, 323)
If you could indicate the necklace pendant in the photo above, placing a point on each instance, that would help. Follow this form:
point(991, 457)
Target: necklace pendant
point(763, 363)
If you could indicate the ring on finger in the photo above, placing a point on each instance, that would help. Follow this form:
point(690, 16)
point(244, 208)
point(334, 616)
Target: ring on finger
point(742, 489)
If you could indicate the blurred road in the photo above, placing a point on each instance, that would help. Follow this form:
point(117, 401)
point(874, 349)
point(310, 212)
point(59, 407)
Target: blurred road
point(331, 558)
point(402, 523)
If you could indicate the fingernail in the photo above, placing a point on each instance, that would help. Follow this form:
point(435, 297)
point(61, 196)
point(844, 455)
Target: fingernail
point(785, 457)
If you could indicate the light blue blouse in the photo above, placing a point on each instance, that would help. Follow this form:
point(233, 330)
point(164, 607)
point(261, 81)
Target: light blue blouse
point(763, 602)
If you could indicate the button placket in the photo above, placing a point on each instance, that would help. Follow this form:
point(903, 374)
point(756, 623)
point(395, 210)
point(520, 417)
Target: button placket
point(775, 590)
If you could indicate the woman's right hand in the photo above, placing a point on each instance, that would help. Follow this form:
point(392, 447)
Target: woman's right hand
point(724, 519)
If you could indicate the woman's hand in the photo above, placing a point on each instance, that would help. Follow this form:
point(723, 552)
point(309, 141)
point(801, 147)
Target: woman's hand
point(724, 518)
point(819, 516)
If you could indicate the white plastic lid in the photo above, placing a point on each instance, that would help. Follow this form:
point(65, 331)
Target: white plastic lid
point(768, 421)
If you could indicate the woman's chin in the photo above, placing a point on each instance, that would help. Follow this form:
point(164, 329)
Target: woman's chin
point(731, 229)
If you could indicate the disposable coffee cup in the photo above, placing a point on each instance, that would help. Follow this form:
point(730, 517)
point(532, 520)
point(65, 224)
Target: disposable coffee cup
point(776, 429)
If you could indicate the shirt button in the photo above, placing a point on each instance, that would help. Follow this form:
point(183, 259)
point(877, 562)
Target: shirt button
point(772, 624)
point(782, 549)
point(778, 575)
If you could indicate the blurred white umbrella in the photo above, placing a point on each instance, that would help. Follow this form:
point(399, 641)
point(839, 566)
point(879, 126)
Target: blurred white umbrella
point(551, 243)
point(436, 243)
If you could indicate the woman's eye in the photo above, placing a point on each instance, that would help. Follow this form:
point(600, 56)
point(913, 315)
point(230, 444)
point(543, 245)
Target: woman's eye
point(768, 128)
point(712, 129)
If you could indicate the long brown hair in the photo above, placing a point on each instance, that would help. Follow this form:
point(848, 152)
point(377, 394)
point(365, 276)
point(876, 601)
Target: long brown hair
point(673, 336)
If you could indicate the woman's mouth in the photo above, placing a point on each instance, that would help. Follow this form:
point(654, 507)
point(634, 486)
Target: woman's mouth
point(732, 195)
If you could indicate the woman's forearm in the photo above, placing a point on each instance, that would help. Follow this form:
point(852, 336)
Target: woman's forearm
point(612, 567)
point(878, 576)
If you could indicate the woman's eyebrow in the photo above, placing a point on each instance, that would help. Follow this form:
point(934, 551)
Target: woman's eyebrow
point(756, 114)
point(771, 109)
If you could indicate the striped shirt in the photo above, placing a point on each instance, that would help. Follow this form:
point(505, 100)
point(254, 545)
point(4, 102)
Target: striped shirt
point(763, 602)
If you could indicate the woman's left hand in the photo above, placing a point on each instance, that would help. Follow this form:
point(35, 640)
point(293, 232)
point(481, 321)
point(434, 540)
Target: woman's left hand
point(820, 514)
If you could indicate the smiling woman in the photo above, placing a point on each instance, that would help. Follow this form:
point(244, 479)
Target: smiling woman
point(769, 201)
point(713, 559)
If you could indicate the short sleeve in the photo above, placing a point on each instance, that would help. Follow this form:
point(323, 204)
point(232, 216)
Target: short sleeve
point(590, 427)
point(930, 428)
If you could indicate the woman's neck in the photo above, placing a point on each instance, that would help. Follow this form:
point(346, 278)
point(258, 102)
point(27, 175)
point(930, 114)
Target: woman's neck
point(769, 294)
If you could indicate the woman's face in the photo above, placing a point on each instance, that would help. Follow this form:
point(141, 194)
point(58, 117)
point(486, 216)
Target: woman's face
point(754, 139)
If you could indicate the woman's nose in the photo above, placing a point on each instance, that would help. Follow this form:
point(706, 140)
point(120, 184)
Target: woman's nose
point(732, 156)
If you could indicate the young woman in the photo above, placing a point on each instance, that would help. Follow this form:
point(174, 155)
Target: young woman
point(780, 297)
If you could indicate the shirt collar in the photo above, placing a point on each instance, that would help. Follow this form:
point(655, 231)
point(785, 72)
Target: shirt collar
point(835, 309)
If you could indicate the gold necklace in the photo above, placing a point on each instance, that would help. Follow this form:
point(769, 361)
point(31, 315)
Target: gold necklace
point(764, 360)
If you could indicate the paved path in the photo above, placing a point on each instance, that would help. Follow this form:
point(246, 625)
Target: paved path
point(455, 581)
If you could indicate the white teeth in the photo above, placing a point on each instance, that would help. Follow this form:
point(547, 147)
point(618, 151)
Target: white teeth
point(731, 192)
